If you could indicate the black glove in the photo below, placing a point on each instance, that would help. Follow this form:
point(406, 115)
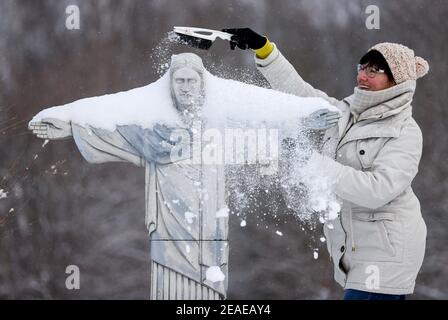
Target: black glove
point(245, 38)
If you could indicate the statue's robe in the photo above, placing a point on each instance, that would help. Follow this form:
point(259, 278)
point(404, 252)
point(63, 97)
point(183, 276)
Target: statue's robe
point(182, 199)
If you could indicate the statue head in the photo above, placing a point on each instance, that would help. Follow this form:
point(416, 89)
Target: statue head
point(187, 83)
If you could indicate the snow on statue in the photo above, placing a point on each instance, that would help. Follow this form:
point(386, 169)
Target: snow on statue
point(174, 128)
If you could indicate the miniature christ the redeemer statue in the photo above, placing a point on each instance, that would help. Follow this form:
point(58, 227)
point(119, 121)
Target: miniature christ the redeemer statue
point(186, 212)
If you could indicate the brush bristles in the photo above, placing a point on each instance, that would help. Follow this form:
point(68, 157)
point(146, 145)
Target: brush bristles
point(199, 43)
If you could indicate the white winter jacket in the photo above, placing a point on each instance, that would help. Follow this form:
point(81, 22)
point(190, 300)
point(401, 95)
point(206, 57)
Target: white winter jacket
point(378, 242)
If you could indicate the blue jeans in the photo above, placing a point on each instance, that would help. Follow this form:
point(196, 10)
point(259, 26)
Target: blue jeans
point(352, 294)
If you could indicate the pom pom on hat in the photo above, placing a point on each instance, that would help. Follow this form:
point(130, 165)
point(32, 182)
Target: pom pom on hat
point(421, 67)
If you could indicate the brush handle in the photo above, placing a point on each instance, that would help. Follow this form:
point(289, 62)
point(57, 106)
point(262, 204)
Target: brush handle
point(220, 34)
point(199, 33)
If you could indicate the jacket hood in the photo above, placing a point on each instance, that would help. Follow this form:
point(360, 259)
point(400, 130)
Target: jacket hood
point(381, 104)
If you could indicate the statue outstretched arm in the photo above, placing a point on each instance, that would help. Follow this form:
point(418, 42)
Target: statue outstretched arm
point(96, 145)
point(128, 143)
point(100, 145)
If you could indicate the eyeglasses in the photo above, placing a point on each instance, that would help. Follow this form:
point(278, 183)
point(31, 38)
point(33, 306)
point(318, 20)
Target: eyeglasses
point(371, 71)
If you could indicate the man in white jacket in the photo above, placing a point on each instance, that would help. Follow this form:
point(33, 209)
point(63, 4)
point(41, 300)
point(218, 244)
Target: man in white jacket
point(377, 244)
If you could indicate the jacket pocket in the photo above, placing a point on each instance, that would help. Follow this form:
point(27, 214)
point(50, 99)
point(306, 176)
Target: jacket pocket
point(364, 155)
point(373, 239)
point(367, 150)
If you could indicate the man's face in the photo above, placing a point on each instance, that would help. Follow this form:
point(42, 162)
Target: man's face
point(186, 86)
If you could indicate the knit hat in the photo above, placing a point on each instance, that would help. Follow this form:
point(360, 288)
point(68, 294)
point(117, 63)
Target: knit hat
point(402, 61)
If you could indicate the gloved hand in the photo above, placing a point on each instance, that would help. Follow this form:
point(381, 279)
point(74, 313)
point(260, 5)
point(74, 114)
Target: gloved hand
point(245, 38)
point(51, 128)
point(321, 119)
